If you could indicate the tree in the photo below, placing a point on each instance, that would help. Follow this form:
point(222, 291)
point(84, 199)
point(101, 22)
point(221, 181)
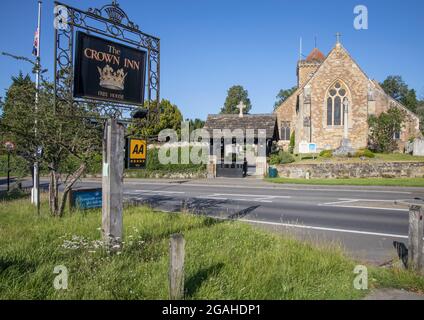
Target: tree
point(62, 135)
point(17, 117)
point(395, 87)
point(195, 124)
point(235, 95)
point(170, 117)
point(383, 129)
point(410, 100)
point(283, 95)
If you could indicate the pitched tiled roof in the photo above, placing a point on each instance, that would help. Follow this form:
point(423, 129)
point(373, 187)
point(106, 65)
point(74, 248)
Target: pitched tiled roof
point(315, 56)
point(256, 122)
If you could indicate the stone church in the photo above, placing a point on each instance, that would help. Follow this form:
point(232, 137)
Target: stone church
point(333, 102)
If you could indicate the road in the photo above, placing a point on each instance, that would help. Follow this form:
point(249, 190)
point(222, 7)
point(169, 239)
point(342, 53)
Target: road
point(364, 220)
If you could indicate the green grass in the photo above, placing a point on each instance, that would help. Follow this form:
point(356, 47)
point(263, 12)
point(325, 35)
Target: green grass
point(397, 157)
point(379, 157)
point(195, 172)
point(224, 260)
point(398, 182)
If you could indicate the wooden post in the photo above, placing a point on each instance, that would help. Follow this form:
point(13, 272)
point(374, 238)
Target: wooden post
point(416, 230)
point(112, 183)
point(176, 267)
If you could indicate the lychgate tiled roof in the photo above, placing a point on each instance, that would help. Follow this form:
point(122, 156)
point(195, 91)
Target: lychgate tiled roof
point(256, 122)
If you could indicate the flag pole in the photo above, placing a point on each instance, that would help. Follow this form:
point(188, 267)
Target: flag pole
point(36, 178)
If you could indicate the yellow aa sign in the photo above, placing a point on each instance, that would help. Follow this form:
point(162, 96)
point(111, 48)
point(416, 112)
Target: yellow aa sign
point(136, 154)
point(138, 149)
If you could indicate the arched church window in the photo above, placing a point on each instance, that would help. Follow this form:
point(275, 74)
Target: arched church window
point(285, 131)
point(335, 110)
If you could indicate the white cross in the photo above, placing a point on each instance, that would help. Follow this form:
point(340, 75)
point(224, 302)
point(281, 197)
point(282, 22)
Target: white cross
point(338, 36)
point(346, 118)
point(241, 106)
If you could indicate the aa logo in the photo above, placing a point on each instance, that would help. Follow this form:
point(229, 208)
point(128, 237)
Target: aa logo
point(138, 149)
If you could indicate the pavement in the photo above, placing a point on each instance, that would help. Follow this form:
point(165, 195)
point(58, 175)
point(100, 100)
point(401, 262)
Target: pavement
point(393, 294)
point(362, 220)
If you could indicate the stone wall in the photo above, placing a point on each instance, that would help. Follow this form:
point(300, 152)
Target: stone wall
point(353, 170)
point(287, 112)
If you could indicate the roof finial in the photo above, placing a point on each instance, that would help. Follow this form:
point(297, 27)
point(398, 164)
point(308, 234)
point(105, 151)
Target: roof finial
point(338, 36)
point(315, 40)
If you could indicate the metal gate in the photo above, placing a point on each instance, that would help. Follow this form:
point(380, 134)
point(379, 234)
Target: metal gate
point(234, 170)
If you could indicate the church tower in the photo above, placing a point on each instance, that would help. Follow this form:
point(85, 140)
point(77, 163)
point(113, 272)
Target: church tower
point(306, 68)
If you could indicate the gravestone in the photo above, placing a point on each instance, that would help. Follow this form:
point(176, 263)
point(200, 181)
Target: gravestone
point(418, 147)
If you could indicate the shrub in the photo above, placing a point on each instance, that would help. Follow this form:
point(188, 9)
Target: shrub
point(326, 154)
point(153, 163)
point(274, 159)
point(281, 158)
point(383, 129)
point(364, 153)
point(286, 157)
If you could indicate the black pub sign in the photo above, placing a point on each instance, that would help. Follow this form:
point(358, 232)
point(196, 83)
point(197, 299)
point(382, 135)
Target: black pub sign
point(108, 71)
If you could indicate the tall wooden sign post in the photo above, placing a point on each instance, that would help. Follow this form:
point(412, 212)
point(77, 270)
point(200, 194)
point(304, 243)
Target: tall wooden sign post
point(112, 183)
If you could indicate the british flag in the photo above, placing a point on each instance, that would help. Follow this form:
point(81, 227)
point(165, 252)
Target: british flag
point(36, 42)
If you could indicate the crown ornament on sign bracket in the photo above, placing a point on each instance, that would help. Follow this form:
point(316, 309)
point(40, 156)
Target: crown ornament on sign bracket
point(114, 13)
point(112, 80)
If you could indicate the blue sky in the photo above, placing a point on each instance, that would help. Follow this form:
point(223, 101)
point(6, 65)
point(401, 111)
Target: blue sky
point(209, 45)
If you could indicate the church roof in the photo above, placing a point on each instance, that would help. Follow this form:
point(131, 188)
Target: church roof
point(232, 122)
point(315, 56)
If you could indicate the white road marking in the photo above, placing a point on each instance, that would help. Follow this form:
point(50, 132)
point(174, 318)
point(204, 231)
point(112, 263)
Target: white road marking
point(166, 192)
point(369, 208)
point(253, 195)
point(326, 229)
point(341, 202)
point(154, 191)
point(373, 200)
point(337, 202)
point(253, 200)
point(210, 198)
point(248, 197)
point(219, 197)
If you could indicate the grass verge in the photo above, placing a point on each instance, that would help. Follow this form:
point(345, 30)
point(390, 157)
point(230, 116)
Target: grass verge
point(379, 157)
point(224, 260)
point(394, 182)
